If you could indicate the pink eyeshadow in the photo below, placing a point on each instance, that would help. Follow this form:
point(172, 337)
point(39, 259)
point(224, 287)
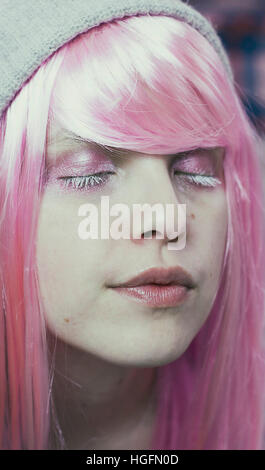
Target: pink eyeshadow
point(83, 163)
point(196, 164)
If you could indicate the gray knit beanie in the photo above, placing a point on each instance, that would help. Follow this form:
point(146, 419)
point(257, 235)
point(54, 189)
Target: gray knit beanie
point(31, 30)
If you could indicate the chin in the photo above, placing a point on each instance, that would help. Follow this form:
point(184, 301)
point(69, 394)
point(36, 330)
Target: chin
point(145, 358)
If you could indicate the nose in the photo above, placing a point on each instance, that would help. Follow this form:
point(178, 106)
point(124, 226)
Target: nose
point(157, 209)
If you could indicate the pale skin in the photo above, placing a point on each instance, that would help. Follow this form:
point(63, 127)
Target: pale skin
point(109, 347)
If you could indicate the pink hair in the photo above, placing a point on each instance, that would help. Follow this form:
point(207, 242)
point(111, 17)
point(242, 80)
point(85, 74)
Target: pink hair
point(149, 84)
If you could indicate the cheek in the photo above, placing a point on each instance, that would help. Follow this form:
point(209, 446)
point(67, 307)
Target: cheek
point(208, 241)
point(66, 283)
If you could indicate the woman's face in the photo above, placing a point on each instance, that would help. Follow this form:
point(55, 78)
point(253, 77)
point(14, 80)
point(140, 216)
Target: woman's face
point(76, 275)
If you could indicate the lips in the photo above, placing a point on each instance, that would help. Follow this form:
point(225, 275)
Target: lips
point(158, 287)
point(161, 276)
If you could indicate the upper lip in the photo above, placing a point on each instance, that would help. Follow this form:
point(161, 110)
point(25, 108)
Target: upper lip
point(174, 275)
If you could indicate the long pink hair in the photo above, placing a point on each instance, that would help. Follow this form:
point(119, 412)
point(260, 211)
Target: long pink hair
point(149, 84)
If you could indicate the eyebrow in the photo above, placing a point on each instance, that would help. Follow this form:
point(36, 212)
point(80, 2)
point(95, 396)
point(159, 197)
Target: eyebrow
point(107, 149)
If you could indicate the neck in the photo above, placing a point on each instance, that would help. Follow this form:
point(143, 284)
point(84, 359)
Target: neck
point(100, 404)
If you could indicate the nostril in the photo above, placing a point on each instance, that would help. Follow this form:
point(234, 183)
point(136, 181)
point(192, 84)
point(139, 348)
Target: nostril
point(149, 233)
point(152, 234)
point(175, 239)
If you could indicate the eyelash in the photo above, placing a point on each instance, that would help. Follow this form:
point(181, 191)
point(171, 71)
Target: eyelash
point(199, 180)
point(97, 179)
point(82, 182)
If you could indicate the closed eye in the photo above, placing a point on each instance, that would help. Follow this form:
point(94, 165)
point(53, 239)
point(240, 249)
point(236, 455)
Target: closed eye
point(199, 179)
point(84, 182)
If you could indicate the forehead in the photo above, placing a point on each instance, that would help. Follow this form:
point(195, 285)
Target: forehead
point(56, 133)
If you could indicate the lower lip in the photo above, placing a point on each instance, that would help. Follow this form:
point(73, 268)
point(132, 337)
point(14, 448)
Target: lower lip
point(156, 295)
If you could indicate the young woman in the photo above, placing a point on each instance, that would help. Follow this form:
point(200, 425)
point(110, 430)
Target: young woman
point(126, 343)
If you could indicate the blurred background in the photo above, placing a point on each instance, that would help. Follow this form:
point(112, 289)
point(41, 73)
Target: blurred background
point(241, 26)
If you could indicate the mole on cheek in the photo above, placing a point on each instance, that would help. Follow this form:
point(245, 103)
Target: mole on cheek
point(66, 320)
point(193, 216)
